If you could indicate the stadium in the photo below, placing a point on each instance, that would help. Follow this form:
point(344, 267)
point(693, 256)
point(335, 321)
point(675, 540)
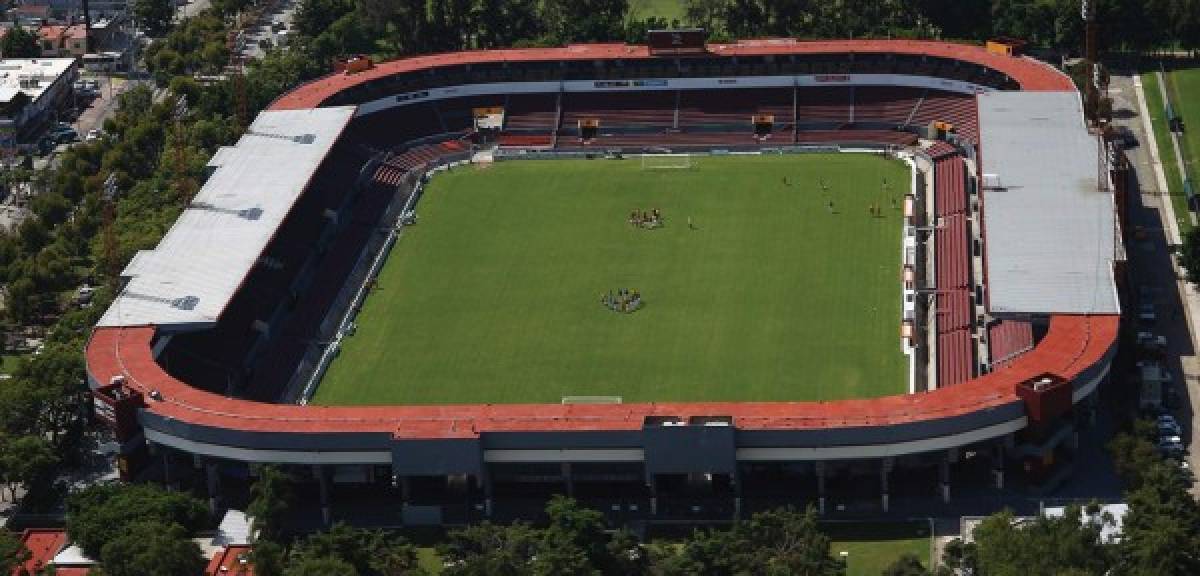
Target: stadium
point(677, 281)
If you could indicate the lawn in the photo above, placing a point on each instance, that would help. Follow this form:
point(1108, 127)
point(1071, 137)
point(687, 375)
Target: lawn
point(872, 546)
point(10, 362)
point(666, 9)
point(1183, 86)
point(1166, 154)
point(495, 296)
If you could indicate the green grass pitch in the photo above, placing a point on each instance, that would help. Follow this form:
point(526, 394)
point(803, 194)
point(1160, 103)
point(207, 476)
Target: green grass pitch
point(495, 296)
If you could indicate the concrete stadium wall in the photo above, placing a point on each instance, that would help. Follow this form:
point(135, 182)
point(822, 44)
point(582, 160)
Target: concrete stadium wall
point(645, 85)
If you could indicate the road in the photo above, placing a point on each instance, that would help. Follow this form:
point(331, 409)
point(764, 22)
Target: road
point(1151, 263)
point(283, 12)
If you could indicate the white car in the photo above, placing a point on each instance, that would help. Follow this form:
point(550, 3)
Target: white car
point(93, 135)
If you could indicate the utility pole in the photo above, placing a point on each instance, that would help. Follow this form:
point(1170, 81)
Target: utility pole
point(183, 184)
point(109, 238)
point(1092, 80)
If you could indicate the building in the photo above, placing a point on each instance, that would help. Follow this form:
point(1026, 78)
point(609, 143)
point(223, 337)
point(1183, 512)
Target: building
point(1005, 400)
point(48, 549)
point(31, 93)
point(63, 41)
point(30, 15)
point(231, 561)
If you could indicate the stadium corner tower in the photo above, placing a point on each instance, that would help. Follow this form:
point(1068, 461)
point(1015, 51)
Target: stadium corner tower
point(204, 362)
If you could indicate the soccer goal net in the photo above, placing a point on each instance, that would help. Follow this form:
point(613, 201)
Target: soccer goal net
point(666, 161)
point(591, 399)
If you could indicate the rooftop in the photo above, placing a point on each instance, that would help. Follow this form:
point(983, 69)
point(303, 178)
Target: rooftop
point(1050, 230)
point(231, 561)
point(31, 76)
point(42, 546)
point(56, 32)
point(189, 278)
point(1029, 73)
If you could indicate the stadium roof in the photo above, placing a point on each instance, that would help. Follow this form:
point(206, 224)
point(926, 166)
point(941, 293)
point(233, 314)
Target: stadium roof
point(1031, 74)
point(1050, 230)
point(187, 281)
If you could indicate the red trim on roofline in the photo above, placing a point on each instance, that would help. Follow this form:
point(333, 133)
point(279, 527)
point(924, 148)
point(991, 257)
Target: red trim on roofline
point(1031, 74)
point(1073, 344)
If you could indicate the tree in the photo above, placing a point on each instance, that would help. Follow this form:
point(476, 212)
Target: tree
point(1044, 545)
point(487, 549)
point(1189, 257)
point(99, 513)
point(27, 461)
point(20, 43)
point(151, 548)
point(12, 552)
point(321, 566)
point(1161, 530)
point(269, 501)
point(154, 16)
point(784, 541)
point(906, 565)
point(584, 20)
point(267, 558)
point(364, 551)
point(1133, 453)
point(573, 527)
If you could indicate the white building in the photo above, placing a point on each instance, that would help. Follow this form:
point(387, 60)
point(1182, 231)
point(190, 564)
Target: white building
point(31, 91)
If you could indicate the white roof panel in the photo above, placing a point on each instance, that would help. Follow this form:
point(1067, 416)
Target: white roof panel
point(1050, 231)
point(190, 277)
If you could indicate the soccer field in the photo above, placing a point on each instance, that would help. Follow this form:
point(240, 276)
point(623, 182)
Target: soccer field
point(495, 296)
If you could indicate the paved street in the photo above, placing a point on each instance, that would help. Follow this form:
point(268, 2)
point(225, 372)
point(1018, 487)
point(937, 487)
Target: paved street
point(1152, 265)
point(103, 106)
point(283, 12)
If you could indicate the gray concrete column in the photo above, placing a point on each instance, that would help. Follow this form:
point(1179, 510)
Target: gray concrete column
point(568, 479)
point(944, 478)
point(885, 469)
point(653, 485)
point(405, 489)
point(736, 480)
point(211, 475)
point(323, 484)
point(487, 493)
point(820, 468)
point(998, 466)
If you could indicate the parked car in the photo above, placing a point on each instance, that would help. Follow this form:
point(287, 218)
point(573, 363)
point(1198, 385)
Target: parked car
point(1169, 448)
point(1151, 343)
point(1169, 429)
point(94, 135)
point(1126, 137)
point(1146, 314)
point(63, 135)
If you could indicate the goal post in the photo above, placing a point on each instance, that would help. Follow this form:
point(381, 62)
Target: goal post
point(591, 399)
point(667, 161)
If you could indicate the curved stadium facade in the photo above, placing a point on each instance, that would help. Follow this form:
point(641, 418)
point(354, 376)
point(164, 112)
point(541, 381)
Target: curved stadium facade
point(207, 353)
